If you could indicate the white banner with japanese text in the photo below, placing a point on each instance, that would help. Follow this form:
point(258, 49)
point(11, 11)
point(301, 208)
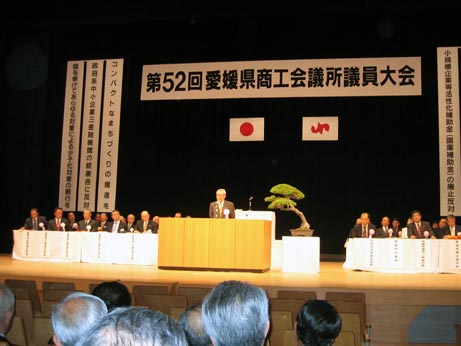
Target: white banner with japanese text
point(393, 76)
point(70, 144)
point(107, 186)
point(449, 130)
point(90, 134)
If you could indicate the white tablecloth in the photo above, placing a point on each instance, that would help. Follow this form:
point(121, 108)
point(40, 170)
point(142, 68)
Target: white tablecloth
point(47, 246)
point(396, 255)
point(90, 247)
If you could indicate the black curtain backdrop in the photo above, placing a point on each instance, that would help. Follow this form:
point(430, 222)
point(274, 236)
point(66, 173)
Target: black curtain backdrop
point(175, 154)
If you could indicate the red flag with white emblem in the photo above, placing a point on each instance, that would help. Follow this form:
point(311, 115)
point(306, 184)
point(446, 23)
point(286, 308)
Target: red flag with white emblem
point(246, 129)
point(320, 128)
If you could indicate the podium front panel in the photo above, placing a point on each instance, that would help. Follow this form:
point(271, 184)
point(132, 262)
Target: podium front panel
point(222, 243)
point(171, 242)
point(196, 240)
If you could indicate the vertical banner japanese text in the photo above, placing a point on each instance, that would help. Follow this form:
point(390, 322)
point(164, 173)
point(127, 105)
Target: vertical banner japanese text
point(71, 135)
point(107, 186)
point(449, 130)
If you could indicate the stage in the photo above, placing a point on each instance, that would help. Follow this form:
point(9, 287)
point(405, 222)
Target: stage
point(393, 300)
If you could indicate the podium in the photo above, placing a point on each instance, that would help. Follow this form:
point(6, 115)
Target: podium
point(214, 244)
point(257, 215)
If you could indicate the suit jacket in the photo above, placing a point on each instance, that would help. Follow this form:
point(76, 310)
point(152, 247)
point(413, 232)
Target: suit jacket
point(356, 231)
point(213, 210)
point(92, 223)
point(128, 227)
point(105, 227)
point(150, 225)
point(441, 232)
point(381, 233)
point(120, 229)
point(425, 226)
point(53, 227)
point(29, 224)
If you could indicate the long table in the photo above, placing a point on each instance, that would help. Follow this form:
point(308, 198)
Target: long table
point(90, 247)
point(395, 255)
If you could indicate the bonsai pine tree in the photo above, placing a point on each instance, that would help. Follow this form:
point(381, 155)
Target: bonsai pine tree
point(283, 198)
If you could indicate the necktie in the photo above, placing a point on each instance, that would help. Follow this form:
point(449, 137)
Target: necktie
point(58, 224)
point(419, 230)
point(145, 226)
point(220, 209)
point(364, 231)
point(34, 224)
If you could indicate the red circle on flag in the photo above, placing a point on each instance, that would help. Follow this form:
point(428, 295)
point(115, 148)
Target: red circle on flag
point(247, 129)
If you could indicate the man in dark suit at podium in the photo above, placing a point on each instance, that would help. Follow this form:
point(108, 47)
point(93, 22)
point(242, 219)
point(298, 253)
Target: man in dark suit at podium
point(55, 224)
point(417, 229)
point(221, 208)
point(365, 229)
point(33, 222)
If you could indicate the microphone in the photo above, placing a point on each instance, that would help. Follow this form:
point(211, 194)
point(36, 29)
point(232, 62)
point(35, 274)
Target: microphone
point(249, 202)
point(372, 231)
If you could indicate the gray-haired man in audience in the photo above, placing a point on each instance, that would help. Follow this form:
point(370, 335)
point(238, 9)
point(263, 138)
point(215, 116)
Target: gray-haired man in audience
point(192, 323)
point(132, 326)
point(236, 313)
point(6, 312)
point(74, 315)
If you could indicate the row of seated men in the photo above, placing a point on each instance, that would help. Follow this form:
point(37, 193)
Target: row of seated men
point(415, 228)
point(116, 224)
point(233, 313)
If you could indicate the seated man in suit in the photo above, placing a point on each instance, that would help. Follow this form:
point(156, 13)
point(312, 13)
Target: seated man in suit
point(87, 224)
point(103, 224)
point(221, 208)
point(396, 228)
point(417, 229)
point(146, 225)
point(451, 229)
point(71, 218)
point(365, 229)
point(117, 225)
point(56, 224)
point(35, 221)
point(130, 222)
point(385, 231)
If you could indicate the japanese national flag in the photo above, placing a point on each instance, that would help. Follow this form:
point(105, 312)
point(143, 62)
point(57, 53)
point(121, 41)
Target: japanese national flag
point(246, 129)
point(320, 128)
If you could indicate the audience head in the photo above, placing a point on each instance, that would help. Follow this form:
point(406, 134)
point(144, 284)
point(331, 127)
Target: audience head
point(192, 323)
point(317, 323)
point(132, 326)
point(113, 293)
point(75, 314)
point(7, 301)
point(236, 313)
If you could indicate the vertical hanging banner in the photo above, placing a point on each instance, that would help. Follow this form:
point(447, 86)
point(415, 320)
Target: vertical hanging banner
point(449, 130)
point(71, 135)
point(110, 135)
point(90, 134)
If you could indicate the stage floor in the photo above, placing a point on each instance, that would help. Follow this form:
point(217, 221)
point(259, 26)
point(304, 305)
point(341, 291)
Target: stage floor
point(331, 276)
point(393, 300)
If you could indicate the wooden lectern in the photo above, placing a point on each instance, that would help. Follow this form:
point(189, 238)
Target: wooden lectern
point(214, 244)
